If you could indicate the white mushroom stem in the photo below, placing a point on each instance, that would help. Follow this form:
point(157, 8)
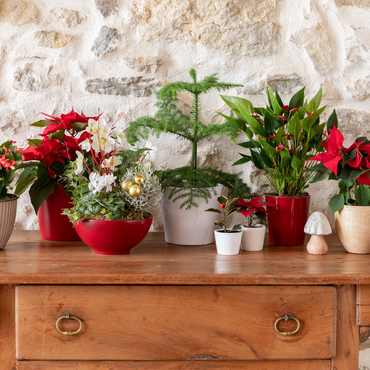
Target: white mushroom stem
point(317, 245)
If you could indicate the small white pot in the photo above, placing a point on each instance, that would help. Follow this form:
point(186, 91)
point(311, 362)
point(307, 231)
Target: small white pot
point(253, 238)
point(228, 244)
point(189, 227)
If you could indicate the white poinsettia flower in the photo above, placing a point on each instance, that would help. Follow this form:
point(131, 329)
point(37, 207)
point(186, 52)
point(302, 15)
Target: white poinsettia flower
point(79, 163)
point(98, 128)
point(112, 162)
point(101, 143)
point(99, 182)
point(118, 135)
point(85, 145)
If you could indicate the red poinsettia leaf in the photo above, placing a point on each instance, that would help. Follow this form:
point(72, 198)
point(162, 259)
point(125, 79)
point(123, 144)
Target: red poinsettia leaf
point(246, 213)
point(364, 179)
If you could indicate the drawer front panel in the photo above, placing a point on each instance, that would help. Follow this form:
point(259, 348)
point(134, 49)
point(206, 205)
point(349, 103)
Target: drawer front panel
point(176, 365)
point(175, 322)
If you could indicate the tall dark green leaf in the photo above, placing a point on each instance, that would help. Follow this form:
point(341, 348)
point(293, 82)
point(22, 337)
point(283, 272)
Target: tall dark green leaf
point(38, 195)
point(336, 203)
point(297, 99)
point(332, 120)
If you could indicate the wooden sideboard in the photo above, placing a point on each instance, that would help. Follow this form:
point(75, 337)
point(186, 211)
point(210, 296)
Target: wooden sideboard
point(168, 307)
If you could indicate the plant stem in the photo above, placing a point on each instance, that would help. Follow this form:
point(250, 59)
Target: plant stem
point(195, 142)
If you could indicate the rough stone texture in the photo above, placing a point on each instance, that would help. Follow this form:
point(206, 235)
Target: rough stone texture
point(68, 17)
point(317, 44)
point(360, 89)
point(52, 39)
point(147, 65)
point(135, 86)
point(106, 41)
point(10, 121)
point(18, 13)
point(358, 3)
point(356, 53)
point(284, 84)
point(35, 77)
point(238, 27)
point(353, 123)
point(107, 7)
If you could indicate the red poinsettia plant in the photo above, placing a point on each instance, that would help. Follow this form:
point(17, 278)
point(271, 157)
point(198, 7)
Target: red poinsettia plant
point(253, 211)
point(350, 166)
point(45, 159)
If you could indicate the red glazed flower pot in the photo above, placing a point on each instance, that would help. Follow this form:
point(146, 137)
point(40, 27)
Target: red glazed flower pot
point(54, 225)
point(113, 237)
point(287, 219)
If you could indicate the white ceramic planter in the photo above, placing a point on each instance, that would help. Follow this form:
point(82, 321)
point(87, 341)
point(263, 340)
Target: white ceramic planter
point(8, 211)
point(189, 227)
point(228, 244)
point(253, 238)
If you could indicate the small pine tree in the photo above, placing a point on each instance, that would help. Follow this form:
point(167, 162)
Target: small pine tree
point(189, 182)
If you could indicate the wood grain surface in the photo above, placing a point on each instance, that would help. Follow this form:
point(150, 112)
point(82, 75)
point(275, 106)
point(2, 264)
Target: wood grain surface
point(27, 259)
point(175, 365)
point(363, 305)
point(348, 333)
point(175, 322)
point(7, 328)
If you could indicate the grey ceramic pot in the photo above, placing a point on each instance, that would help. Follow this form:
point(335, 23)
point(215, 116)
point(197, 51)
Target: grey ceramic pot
point(8, 211)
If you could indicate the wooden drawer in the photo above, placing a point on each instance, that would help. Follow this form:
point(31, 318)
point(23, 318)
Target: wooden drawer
point(175, 322)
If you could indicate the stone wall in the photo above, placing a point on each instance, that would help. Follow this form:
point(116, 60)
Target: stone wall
point(113, 55)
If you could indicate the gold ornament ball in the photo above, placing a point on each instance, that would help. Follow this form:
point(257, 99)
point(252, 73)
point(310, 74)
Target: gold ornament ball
point(139, 179)
point(126, 185)
point(135, 190)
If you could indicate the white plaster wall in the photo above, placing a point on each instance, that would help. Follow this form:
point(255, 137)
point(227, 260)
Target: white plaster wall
point(323, 42)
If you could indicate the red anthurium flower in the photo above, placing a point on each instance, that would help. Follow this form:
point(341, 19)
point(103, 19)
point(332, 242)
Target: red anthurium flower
point(292, 110)
point(287, 136)
point(291, 151)
point(273, 165)
point(309, 112)
point(332, 156)
point(282, 117)
point(255, 116)
point(286, 107)
point(272, 137)
point(280, 147)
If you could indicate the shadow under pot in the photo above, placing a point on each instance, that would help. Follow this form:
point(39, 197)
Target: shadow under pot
point(286, 220)
point(8, 212)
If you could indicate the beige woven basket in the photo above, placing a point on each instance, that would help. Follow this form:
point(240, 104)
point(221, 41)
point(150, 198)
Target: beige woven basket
point(352, 225)
point(8, 211)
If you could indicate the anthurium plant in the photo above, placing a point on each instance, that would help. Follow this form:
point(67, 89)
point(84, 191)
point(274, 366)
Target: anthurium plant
point(281, 138)
point(227, 209)
point(10, 160)
point(253, 210)
point(45, 159)
point(349, 166)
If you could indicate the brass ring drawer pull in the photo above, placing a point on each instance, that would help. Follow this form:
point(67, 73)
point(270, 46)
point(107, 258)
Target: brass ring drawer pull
point(68, 317)
point(286, 318)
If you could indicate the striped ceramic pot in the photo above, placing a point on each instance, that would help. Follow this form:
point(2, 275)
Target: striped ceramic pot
point(8, 211)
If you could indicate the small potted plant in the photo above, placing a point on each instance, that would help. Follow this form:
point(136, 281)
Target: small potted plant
point(280, 140)
point(112, 191)
point(188, 191)
point(44, 164)
point(254, 231)
point(351, 168)
point(227, 240)
point(10, 160)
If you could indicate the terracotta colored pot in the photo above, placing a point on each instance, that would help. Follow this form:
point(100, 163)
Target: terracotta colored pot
point(352, 228)
point(8, 211)
point(287, 219)
point(113, 237)
point(189, 227)
point(54, 225)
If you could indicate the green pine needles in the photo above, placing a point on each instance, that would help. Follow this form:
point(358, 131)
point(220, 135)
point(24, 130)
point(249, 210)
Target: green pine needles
point(189, 182)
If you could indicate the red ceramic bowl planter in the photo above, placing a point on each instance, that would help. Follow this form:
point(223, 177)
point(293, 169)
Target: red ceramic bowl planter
point(287, 219)
point(54, 225)
point(113, 237)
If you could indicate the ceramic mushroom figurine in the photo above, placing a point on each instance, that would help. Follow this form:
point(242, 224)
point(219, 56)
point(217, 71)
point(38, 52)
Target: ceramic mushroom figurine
point(317, 226)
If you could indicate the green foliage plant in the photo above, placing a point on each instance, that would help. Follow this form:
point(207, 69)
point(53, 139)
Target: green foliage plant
point(228, 207)
point(281, 138)
point(189, 183)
